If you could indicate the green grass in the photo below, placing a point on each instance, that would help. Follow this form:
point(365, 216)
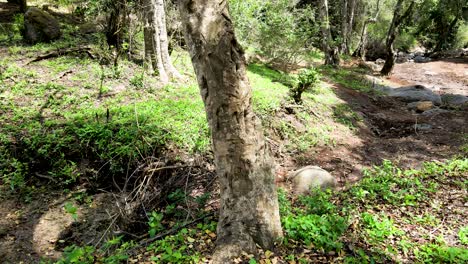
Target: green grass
point(348, 77)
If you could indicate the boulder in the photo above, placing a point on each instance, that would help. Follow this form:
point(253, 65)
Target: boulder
point(421, 59)
point(434, 112)
point(40, 26)
point(415, 94)
point(96, 26)
point(370, 65)
point(454, 100)
point(311, 177)
point(420, 106)
point(380, 61)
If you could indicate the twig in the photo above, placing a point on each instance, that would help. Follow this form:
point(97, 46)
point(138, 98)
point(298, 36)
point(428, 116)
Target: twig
point(61, 52)
point(45, 177)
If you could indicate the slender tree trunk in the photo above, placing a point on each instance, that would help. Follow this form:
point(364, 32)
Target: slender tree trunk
point(350, 27)
point(396, 21)
point(152, 41)
point(116, 25)
point(362, 46)
point(330, 50)
point(344, 26)
point(249, 206)
point(164, 49)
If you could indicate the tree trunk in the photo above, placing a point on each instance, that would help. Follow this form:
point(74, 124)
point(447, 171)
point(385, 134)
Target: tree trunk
point(156, 43)
point(164, 49)
point(115, 25)
point(350, 27)
point(330, 50)
point(362, 46)
point(391, 35)
point(344, 26)
point(249, 206)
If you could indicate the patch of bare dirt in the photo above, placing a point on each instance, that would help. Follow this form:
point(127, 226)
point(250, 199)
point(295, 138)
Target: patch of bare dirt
point(443, 76)
point(390, 131)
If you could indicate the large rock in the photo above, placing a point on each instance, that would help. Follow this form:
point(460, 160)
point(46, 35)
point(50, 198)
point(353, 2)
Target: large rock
point(96, 26)
point(415, 94)
point(421, 59)
point(420, 106)
point(40, 26)
point(311, 177)
point(455, 100)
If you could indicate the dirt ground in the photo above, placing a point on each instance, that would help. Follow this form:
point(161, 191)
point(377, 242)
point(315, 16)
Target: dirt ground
point(443, 76)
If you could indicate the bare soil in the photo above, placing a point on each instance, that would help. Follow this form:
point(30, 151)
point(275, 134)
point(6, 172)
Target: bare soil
point(443, 76)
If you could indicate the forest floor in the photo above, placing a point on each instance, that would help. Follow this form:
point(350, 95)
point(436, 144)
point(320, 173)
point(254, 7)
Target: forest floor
point(64, 119)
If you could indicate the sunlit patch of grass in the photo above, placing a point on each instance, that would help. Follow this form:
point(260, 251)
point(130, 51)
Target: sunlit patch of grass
point(348, 77)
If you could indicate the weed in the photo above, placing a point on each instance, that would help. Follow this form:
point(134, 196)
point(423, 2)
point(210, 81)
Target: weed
point(155, 224)
point(434, 253)
point(379, 227)
point(72, 210)
point(463, 235)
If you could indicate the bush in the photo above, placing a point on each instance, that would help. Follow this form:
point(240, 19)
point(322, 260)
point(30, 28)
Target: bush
point(306, 79)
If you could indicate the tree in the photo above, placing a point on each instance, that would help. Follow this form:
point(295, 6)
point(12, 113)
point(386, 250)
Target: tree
point(249, 212)
point(156, 42)
point(330, 50)
point(398, 18)
point(361, 48)
point(347, 12)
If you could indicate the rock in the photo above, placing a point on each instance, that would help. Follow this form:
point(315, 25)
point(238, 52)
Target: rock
point(402, 59)
point(312, 177)
point(454, 100)
point(96, 26)
point(370, 65)
point(420, 106)
point(423, 127)
point(40, 26)
point(415, 94)
point(380, 61)
point(421, 59)
point(434, 111)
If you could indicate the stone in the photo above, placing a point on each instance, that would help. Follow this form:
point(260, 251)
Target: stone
point(434, 111)
point(370, 65)
point(421, 106)
point(415, 94)
point(40, 26)
point(454, 100)
point(96, 26)
point(421, 59)
point(311, 177)
point(380, 61)
point(423, 127)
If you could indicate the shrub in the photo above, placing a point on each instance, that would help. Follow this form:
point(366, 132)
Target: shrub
point(306, 79)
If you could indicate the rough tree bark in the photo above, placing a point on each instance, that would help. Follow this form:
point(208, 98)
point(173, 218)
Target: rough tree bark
point(153, 56)
point(156, 42)
point(347, 22)
point(164, 48)
point(330, 50)
point(361, 48)
point(249, 206)
point(398, 18)
point(116, 25)
point(344, 25)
